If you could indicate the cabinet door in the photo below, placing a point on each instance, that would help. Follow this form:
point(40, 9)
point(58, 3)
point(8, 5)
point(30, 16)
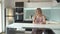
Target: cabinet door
point(21, 0)
point(11, 31)
point(41, 0)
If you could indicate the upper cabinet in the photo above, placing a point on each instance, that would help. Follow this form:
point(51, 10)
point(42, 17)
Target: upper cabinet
point(33, 0)
point(40, 0)
point(37, 4)
point(20, 0)
point(30, 3)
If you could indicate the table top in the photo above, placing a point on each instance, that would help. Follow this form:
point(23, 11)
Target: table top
point(30, 25)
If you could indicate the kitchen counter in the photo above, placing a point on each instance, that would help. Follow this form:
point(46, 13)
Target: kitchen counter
point(21, 26)
point(30, 25)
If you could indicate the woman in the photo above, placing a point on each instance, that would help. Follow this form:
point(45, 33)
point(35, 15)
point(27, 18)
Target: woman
point(39, 18)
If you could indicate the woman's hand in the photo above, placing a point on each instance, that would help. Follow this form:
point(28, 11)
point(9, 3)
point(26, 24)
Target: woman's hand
point(43, 23)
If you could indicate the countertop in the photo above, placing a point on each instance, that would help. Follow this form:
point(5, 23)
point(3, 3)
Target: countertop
point(30, 25)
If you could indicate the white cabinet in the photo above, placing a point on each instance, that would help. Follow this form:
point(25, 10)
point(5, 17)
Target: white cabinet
point(34, 0)
point(37, 4)
point(20, 0)
point(41, 0)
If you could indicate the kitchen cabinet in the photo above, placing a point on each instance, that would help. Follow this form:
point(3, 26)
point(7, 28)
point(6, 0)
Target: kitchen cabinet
point(20, 0)
point(41, 0)
point(34, 0)
point(11, 31)
point(54, 27)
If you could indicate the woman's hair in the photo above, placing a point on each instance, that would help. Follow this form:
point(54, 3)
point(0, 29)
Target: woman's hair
point(39, 9)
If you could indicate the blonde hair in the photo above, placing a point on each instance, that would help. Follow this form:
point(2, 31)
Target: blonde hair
point(39, 9)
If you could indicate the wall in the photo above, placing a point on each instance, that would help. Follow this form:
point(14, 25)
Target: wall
point(31, 11)
point(3, 15)
point(0, 20)
point(52, 14)
point(9, 3)
point(55, 15)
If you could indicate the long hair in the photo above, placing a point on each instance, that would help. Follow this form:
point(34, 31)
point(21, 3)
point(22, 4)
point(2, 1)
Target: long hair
point(39, 9)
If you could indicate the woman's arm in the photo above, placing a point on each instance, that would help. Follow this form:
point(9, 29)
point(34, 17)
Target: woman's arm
point(44, 20)
point(34, 20)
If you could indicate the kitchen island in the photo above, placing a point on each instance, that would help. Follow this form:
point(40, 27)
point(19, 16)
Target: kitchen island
point(23, 26)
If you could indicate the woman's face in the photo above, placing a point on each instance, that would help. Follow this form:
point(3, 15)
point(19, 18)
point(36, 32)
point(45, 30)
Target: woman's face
point(37, 12)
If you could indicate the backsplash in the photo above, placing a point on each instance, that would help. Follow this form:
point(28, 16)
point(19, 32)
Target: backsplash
point(29, 13)
point(51, 14)
point(55, 15)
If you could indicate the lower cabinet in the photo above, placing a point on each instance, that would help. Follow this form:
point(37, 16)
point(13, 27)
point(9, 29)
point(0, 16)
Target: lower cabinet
point(11, 31)
point(14, 31)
